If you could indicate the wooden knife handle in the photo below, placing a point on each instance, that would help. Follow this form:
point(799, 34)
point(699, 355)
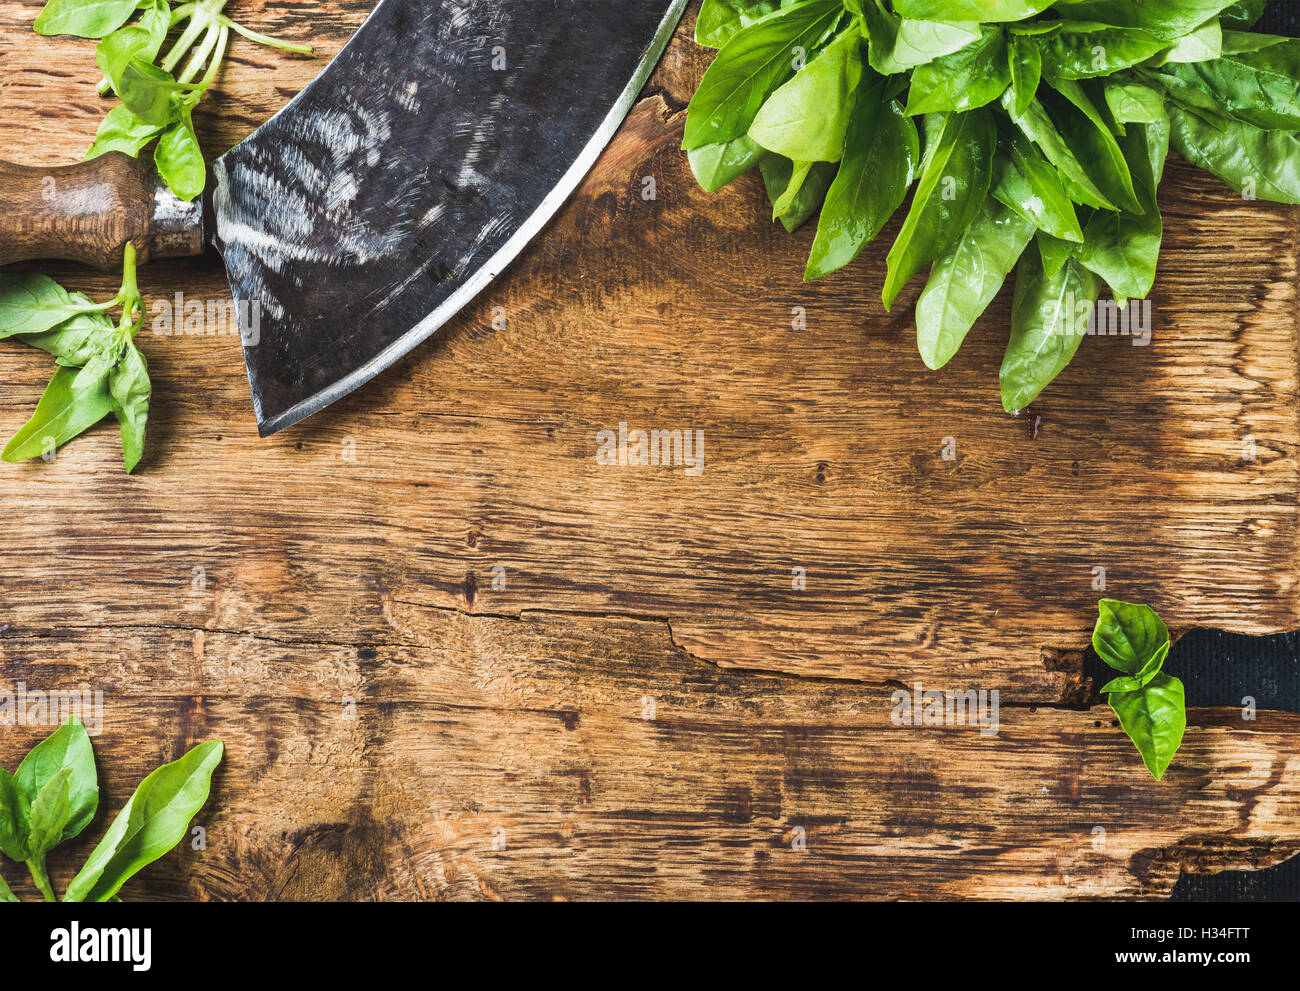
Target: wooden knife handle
point(88, 212)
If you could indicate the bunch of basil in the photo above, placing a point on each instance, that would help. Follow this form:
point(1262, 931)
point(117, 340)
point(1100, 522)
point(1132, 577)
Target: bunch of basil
point(55, 793)
point(1046, 124)
point(100, 369)
point(1150, 704)
point(158, 94)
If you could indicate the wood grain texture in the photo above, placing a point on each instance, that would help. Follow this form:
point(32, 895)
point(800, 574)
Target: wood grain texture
point(355, 556)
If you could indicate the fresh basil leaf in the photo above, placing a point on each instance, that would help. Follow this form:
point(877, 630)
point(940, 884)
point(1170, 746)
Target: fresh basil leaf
point(1123, 248)
point(73, 403)
point(1135, 103)
point(1055, 252)
point(1025, 64)
point(179, 159)
point(970, 10)
point(1260, 163)
point(717, 165)
point(148, 92)
point(1260, 87)
point(750, 66)
point(1048, 320)
point(152, 823)
point(1202, 45)
point(14, 816)
point(969, 78)
point(1026, 182)
point(67, 749)
point(141, 40)
point(49, 816)
point(84, 18)
point(1084, 50)
point(1167, 19)
point(1128, 635)
point(1155, 718)
point(77, 340)
point(795, 189)
point(897, 44)
point(1038, 127)
point(123, 131)
point(33, 304)
point(965, 279)
point(1239, 42)
point(719, 20)
point(806, 119)
point(129, 391)
point(880, 160)
point(955, 175)
point(1092, 139)
point(1243, 14)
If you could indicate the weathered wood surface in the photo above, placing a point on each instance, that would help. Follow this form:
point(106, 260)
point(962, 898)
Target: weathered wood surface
point(353, 558)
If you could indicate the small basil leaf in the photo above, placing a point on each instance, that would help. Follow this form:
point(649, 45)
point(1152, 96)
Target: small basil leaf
point(1155, 718)
point(179, 159)
point(1055, 252)
point(123, 131)
point(956, 172)
point(795, 189)
point(1124, 248)
point(972, 77)
point(750, 66)
point(719, 20)
point(152, 823)
point(897, 44)
point(84, 18)
point(15, 813)
point(77, 340)
point(1135, 103)
point(966, 278)
point(50, 811)
point(129, 392)
point(1048, 320)
point(67, 749)
point(717, 165)
point(1128, 635)
point(880, 159)
point(1202, 45)
point(71, 405)
point(807, 118)
point(33, 304)
point(1025, 64)
point(148, 92)
point(1027, 183)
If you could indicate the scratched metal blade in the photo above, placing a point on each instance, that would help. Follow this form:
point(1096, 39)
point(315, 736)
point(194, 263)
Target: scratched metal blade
point(403, 180)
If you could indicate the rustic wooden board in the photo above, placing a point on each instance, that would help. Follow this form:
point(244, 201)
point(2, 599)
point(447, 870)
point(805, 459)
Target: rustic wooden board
point(354, 558)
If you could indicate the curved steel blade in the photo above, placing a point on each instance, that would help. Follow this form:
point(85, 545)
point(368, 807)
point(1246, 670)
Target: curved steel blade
point(394, 188)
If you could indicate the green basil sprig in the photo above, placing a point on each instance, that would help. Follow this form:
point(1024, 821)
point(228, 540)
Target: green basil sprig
point(54, 795)
point(100, 369)
point(158, 86)
point(1150, 705)
point(1047, 124)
